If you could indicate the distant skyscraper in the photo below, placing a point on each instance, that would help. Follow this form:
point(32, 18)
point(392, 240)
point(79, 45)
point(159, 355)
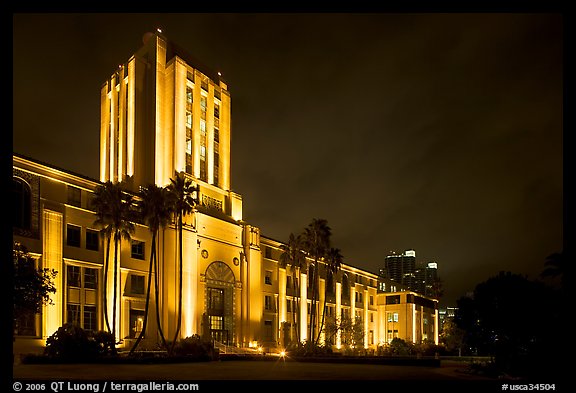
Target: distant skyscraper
point(402, 268)
point(431, 280)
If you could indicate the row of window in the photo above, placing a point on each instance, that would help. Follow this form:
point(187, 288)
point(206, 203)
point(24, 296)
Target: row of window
point(92, 241)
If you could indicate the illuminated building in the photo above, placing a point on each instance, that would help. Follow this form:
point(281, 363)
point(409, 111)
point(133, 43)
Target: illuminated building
point(427, 279)
point(401, 268)
point(163, 112)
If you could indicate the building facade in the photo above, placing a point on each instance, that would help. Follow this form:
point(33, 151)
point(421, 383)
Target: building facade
point(162, 112)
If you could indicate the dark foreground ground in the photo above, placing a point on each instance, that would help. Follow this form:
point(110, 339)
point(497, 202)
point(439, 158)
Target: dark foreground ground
point(242, 370)
point(263, 375)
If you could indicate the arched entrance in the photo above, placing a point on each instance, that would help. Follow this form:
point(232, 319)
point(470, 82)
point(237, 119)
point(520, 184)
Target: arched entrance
point(219, 304)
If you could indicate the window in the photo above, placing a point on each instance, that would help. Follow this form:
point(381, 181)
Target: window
point(330, 283)
point(92, 240)
point(215, 300)
point(394, 299)
point(73, 276)
point(73, 235)
point(204, 84)
point(345, 287)
point(90, 318)
point(371, 300)
point(90, 278)
point(137, 249)
point(190, 76)
point(82, 296)
point(392, 317)
point(74, 196)
point(216, 165)
point(203, 103)
point(382, 286)
point(371, 317)
point(216, 110)
point(136, 322)
point(216, 322)
point(268, 278)
point(73, 311)
point(137, 284)
point(268, 330)
point(288, 282)
point(189, 96)
point(268, 252)
point(268, 303)
point(21, 204)
point(288, 305)
point(188, 119)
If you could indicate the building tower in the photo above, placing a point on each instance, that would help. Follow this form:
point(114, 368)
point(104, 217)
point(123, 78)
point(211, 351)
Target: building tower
point(164, 112)
point(402, 268)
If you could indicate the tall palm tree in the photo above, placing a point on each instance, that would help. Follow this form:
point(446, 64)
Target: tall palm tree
point(293, 256)
point(114, 213)
point(100, 203)
point(183, 197)
point(333, 262)
point(317, 242)
point(154, 209)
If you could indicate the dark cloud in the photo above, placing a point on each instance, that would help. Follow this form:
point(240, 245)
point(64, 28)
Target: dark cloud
point(438, 132)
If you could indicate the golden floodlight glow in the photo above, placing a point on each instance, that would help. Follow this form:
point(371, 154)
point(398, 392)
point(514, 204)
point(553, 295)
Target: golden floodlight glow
point(52, 244)
point(282, 353)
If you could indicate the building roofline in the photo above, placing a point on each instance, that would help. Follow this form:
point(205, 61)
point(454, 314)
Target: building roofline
point(17, 157)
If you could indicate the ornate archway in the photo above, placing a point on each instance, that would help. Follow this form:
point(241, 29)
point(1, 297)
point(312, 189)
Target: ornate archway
point(219, 302)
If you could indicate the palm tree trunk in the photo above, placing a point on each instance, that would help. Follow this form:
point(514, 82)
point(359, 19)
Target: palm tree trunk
point(296, 315)
point(105, 284)
point(313, 303)
point(179, 320)
point(156, 290)
point(145, 322)
point(115, 295)
point(323, 315)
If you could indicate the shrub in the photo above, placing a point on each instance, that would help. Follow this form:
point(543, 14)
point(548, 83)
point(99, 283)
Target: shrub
point(194, 346)
point(71, 342)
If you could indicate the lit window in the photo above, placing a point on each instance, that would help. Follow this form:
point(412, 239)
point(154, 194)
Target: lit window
point(189, 119)
point(136, 322)
point(268, 278)
point(189, 95)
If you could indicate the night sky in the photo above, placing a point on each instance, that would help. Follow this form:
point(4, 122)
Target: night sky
point(440, 133)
